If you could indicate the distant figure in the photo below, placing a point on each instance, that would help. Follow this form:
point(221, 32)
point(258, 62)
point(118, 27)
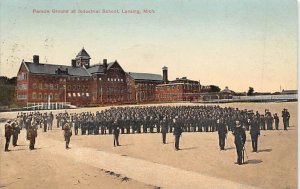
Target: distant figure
point(177, 132)
point(50, 121)
point(222, 131)
point(32, 134)
point(164, 130)
point(239, 140)
point(254, 132)
point(45, 121)
point(276, 120)
point(67, 134)
point(8, 133)
point(16, 132)
point(116, 133)
point(285, 118)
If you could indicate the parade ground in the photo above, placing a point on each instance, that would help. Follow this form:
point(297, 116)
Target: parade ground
point(142, 161)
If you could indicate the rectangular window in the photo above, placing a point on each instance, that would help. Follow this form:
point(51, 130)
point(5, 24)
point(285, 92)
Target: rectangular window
point(69, 95)
point(56, 96)
point(45, 86)
point(74, 94)
point(51, 86)
point(51, 96)
point(78, 94)
point(45, 96)
point(87, 94)
point(40, 96)
point(34, 86)
point(33, 96)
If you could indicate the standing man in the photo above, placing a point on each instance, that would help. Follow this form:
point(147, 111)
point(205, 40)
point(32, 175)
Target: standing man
point(67, 134)
point(222, 131)
point(116, 133)
point(45, 121)
point(32, 134)
point(276, 119)
point(254, 132)
point(16, 132)
point(50, 121)
point(239, 140)
point(164, 130)
point(177, 132)
point(8, 133)
point(285, 118)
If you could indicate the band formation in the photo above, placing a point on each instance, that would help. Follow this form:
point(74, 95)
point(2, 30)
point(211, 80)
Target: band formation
point(151, 119)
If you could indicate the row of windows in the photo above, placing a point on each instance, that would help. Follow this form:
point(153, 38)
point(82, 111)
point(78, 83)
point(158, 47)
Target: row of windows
point(22, 76)
point(78, 94)
point(57, 86)
point(44, 96)
point(22, 96)
point(78, 87)
point(113, 79)
point(77, 78)
point(168, 95)
point(22, 86)
point(47, 86)
point(115, 97)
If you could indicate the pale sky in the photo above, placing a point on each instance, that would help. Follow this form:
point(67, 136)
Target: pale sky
point(234, 43)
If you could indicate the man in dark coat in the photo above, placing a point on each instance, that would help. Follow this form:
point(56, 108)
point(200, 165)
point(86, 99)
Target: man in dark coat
point(164, 130)
point(276, 119)
point(177, 132)
point(67, 134)
point(285, 118)
point(32, 134)
point(16, 132)
point(254, 132)
point(222, 131)
point(8, 133)
point(116, 131)
point(239, 140)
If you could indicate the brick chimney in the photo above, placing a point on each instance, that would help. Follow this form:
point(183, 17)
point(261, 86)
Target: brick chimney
point(36, 59)
point(73, 63)
point(165, 74)
point(105, 64)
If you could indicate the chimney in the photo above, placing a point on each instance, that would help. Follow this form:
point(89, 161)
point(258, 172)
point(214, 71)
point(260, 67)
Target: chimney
point(73, 62)
point(165, 74)
point(105, 64)
point(36, 59)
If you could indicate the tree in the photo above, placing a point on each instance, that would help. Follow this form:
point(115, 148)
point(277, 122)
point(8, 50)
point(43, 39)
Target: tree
point(250, 91)
point(8, 91)
point(214, 88)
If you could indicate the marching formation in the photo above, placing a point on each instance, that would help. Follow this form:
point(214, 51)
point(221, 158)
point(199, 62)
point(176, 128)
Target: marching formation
point(151, 119)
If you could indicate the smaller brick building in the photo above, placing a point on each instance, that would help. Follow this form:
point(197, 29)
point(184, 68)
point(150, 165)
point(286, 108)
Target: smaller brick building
point(181, 89)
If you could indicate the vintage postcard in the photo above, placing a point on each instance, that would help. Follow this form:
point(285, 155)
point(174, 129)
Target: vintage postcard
point(148, 94)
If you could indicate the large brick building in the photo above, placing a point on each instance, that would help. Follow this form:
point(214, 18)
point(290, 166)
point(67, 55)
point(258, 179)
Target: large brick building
point(83, 84)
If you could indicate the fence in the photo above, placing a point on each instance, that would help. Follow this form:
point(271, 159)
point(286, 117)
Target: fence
point(260, 98)
point(49, 106)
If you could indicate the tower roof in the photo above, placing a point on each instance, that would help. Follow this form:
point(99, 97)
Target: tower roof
point(83, 53)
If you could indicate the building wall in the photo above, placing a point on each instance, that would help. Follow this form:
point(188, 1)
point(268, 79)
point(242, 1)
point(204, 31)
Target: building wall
point(112, 87)
point(59, 88)
point(22, 85)
point(177, 92)
point(146, 91)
